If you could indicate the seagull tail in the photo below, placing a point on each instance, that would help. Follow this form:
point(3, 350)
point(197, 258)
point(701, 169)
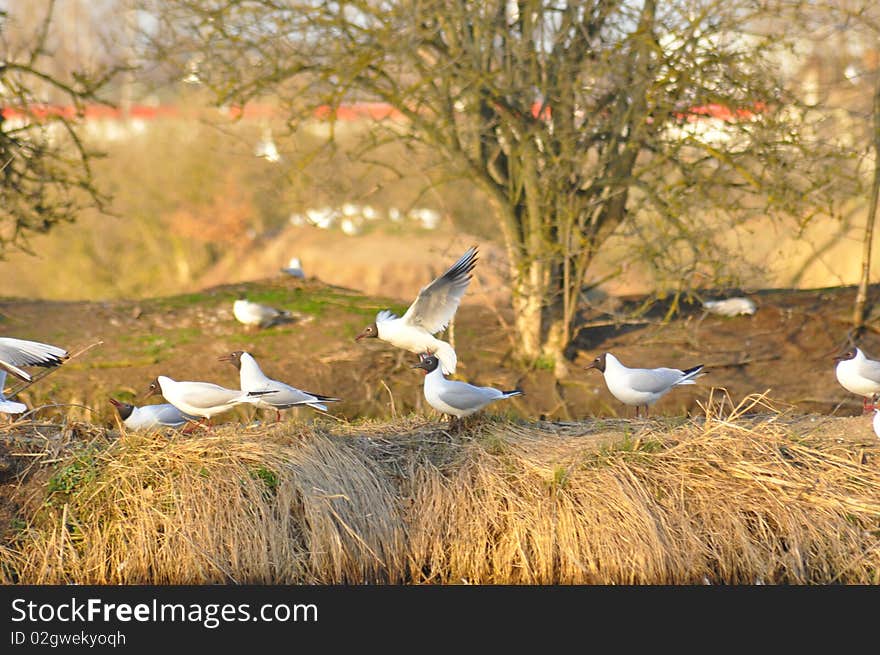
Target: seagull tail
point(320, 406)
point(448, 359)
point(511, 393)
point(691, 374)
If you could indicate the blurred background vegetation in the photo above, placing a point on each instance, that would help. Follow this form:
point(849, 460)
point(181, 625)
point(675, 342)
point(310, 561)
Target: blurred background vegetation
point(174, 183)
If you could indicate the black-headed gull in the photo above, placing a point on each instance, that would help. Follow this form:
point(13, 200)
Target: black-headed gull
point(9, 406)
point(254, 314)
point(15, 353)
point(149, 417)
point(201, 399)
point(641, 386)
point(859, 375)
point(253, 379)
point(428, 314)
point(730, 306)
point(458, 399)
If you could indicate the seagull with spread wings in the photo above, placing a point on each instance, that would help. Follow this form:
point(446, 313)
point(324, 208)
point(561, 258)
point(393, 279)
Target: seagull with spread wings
point(15, 353)
point(430, 313)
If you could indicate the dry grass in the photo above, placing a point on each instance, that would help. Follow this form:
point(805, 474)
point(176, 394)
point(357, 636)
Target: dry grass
point(740, 499)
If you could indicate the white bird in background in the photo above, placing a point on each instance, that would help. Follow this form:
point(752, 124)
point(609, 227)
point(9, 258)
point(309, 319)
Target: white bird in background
point(15, 353)
point(253, 379)
point(458, 399)
point(641, 386)
point(730, 306)
point(876, 421)
point(294, 268)
point(9, 406)
point(149, 417)
point(429, 313)
point(254, 314)
point(201, 399)
point(859, 375)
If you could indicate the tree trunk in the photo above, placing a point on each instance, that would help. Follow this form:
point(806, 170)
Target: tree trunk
point(862, 295)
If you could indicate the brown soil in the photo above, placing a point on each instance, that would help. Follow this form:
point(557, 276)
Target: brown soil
point(785, 349)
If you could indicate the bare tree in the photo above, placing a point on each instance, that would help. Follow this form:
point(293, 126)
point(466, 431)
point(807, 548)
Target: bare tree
point(45, 173)
point(580, 120)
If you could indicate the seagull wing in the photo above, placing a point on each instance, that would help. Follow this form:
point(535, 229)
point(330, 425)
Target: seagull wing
point(436, 303)
point(19, 352)
point(653, 380)
point(870, 368)
point(466, 396)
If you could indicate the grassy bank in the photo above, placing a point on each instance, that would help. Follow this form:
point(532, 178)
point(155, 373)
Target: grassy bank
point(740, 499)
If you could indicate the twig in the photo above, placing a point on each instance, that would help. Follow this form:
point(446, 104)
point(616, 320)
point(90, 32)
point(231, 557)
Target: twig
point(51, 370)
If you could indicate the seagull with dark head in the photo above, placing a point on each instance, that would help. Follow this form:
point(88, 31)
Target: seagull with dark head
point(150, 417)
point(428, 314)
point(859, 375)
point(457, 399)
point(641, 386)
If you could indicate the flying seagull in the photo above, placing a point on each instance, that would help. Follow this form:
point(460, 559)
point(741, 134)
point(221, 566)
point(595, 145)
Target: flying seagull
point(15, 353)
point(641, 386)
point(428, 314)
point(286, 396)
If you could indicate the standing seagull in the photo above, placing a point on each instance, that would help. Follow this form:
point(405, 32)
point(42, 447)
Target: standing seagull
point(286, 396)
point(202, 399)
point(430, 312)
point(730, 306)
point(641, 386)
point(15, 353)
point(148, 417)
point(458, 399)
point(9, 406)
point(859, 375)
point(254, 314)
point(294, 268)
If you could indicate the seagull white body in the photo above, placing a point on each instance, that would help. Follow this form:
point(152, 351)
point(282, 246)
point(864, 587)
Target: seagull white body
point(254, 314)
point(285, 396)
point(858, 374)
point(150, 417)
point(458, 399)
point(15, 353)
point(876, 422)
point(641, 386)
point(9, 406)
point(730, 306)
point(428, 314)
point(294, 268)
point(202, 399)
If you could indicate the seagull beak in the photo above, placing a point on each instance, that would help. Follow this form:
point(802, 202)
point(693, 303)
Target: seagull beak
point(115, 402)
point(592, 365)
point(361, 336)
point(225, 358)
